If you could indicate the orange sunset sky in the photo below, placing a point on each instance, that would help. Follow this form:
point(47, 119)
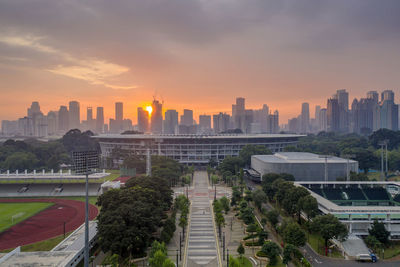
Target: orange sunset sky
point(197, 54)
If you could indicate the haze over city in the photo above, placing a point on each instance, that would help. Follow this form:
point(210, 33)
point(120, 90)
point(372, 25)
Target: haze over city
point(194, 54)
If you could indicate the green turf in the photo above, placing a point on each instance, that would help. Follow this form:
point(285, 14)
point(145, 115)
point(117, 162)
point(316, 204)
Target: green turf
point(25, 210)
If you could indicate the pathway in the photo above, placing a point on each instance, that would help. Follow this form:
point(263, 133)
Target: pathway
point(201, 246)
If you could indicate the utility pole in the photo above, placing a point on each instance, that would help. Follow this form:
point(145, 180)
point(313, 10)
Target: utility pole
point(383, 144)
point(348, 157)
point(386, 156)
point(326, 157)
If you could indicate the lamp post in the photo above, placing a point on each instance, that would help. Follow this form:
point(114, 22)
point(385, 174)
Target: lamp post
point(86, 162)
point(227, 257)
point(383, 144)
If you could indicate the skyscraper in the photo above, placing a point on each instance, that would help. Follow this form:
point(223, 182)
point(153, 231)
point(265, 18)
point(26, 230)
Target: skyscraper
point(332, 115)
point(239, 114)
point(156, 117)
point(119, 111)
point(100, 120)
point(143, 120)
point(187, 117)
point(386, 114)
point(221, 122)
point(63, 119)
point(322, 122)
point(74, 115)
point(205, 123)
point(373, 95)
point(273, 122)
point(343, 102)
point(171, 122)
point(305, 118)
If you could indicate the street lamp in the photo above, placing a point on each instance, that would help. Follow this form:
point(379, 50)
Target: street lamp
point(348, 157)
point(383, 144)
point(86, 162)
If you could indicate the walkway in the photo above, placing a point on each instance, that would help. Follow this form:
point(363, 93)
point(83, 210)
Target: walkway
point(201, 247)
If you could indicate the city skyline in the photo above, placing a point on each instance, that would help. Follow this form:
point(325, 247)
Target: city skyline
point(278, 52)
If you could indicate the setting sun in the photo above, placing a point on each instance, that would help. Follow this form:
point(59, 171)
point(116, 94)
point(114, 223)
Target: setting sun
point(149, 109)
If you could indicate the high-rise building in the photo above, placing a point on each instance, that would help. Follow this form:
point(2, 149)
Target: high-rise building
point(171, 122)
point(74, 115)
point(386, 114)
point(221, 122)
point(387, 95)
point(205, 123)
point(119, 111)
point(374, 96)
point(293, 125)
point(143, 120)
point(156, 117)
point(100, 120)
point(52, 122)
point(343, 102)
point(332, 115)
point(305, 118)
point(261, 116)
point(323, 122)
point(34, 109)
point(273, 122)
point(362, 115)
point(239, 114)
point(63, 119)
point(187, 117)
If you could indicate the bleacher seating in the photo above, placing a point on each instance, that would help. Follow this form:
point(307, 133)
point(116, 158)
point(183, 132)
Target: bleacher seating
point(354, 193)
point(333, 193)
point(376, 193)
point(48, 190)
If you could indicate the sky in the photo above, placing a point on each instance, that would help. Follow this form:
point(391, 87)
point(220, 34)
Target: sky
point(196, 54)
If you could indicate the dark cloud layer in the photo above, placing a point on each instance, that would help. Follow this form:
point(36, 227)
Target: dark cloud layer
point(154, 43)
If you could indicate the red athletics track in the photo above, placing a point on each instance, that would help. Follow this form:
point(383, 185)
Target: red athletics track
point(47, 223)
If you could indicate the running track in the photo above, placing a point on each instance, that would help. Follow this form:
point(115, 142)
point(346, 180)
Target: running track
point(47, 223)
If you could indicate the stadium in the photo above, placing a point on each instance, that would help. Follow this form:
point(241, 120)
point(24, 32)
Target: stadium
point(38, 207)
point(192, 149)
point(358, 204)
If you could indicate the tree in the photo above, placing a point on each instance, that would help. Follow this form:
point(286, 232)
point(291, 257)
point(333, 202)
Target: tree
point(272, 250)
point(231, 164)
point(262, 236)
point(372, 242)
point(291, 203)
point(293, 234)
point(288, 251)
point(328, 226)
point(273, 217)
point(127, 220)
point(236, 196)
point(249, 150)
point(379, 231)
point(259, 197)
point(248, 195)
point(309, 205)
point(240, 250)
point(158, 259)
point(225, 204)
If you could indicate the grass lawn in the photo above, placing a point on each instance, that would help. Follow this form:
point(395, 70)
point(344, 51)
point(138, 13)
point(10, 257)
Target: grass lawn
point(21, 211)
point(317, 243)
point(244, 262)
point(391, 251)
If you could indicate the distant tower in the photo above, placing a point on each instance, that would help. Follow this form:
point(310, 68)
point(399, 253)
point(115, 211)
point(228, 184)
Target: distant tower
point(74, 115)
point(100, 120)
point(171, 121)
point(156, 117)
point(63, 119)
point(143, 120)
point(305, 118)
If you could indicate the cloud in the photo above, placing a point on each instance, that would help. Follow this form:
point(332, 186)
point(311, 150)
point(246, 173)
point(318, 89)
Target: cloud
point(93, 71)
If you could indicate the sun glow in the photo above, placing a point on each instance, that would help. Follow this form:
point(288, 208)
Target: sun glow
point(149, 109)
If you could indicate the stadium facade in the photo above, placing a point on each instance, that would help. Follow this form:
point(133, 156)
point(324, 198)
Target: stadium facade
point(192, 149)
point(303, 166)
point(358, 204)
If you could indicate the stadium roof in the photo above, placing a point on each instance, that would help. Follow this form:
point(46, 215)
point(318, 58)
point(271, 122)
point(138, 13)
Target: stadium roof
point(299, 157)
point(193, 136)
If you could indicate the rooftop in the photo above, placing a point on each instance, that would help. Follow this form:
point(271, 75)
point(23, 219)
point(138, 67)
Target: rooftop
point(299, 157)
point(193, 136)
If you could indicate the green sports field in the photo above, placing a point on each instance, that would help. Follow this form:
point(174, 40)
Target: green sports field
point(20, 212)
